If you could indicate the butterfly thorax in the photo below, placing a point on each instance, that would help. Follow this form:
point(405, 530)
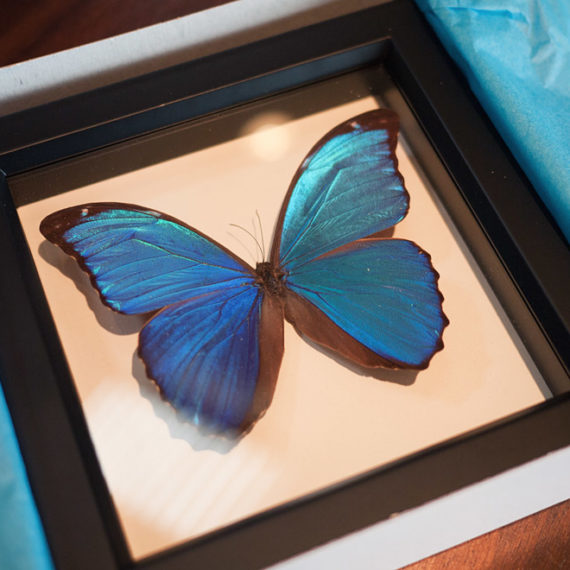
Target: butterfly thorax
point(269, 277)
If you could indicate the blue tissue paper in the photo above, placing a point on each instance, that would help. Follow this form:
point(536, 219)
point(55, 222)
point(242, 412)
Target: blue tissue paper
point(516, 57)
point(22, 542)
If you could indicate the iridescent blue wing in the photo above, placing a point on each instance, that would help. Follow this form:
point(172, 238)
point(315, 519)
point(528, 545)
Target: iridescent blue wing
point(347, 188)
point(141, 260)
point(203, 348)
point(375, 301)
point(216, 357)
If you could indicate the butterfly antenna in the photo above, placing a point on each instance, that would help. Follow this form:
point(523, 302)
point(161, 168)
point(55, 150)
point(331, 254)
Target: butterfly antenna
point(249, 234)
point(261, 234)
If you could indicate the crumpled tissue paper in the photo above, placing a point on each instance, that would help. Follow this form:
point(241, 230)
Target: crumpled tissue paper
point(516, 57)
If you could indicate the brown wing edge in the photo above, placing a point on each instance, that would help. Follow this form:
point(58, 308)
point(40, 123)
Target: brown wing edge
point(271, 347)
point(370, 120)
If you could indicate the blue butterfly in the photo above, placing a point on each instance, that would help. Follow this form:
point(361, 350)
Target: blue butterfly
point(215, 344)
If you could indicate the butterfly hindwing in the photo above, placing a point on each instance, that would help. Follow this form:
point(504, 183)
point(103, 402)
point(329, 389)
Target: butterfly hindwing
point(205, 356)
point(381, 292)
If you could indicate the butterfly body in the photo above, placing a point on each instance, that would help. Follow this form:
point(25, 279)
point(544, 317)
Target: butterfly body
point(270, 278)
point(215, 343)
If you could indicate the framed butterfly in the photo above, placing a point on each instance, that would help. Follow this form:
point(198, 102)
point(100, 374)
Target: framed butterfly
point(214, 344)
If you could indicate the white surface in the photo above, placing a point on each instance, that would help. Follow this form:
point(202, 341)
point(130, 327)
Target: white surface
point(327, 422)
point(453, 519)
point(65, 73)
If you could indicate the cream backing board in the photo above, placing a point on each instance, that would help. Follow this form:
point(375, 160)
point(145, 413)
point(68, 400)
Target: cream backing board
point(327, 421)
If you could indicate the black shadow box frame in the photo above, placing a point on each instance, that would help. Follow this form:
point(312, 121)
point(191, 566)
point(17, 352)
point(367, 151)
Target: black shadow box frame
point(508, 231)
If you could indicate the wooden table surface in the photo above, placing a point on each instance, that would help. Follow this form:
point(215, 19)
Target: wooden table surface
point(32, 28)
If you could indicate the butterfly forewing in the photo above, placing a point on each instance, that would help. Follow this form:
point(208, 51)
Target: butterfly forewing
point(141, 260)
point(347, 188)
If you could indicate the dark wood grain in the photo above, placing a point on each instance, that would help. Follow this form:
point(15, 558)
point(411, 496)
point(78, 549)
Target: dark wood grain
point(540, 541)
point(32, 28)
